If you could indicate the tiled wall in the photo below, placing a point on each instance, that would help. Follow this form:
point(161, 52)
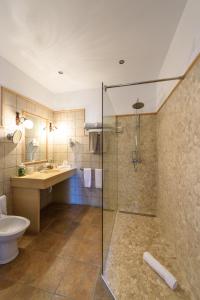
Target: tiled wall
point(179, 176)
point(137, 190)
point(70, 125)
point(11, 155)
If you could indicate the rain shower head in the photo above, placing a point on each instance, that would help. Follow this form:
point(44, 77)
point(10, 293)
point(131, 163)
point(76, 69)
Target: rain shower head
point(138, 105)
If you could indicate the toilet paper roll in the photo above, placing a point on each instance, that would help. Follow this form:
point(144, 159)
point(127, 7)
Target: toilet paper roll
point(161, 270)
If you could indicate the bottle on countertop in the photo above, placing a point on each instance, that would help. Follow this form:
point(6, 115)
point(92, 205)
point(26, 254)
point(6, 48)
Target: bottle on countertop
point(21, 170)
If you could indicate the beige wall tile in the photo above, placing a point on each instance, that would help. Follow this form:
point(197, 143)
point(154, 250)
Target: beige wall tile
point(12, 155)
point(71, 125)
point(10, 99)
point(10, 160)
point(137, 190)
point(179, 178)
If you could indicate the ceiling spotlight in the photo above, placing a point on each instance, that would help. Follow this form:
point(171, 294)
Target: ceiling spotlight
point(121, 61)
point(60, 72)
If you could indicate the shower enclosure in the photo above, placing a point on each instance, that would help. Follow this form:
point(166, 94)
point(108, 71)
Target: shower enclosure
point(129, 163)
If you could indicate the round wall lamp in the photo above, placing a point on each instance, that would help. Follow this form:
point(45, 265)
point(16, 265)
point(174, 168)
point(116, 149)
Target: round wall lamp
point(21, 120)
point(52, 127)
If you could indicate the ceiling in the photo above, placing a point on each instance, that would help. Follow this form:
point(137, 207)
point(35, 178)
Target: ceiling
point(86, 38)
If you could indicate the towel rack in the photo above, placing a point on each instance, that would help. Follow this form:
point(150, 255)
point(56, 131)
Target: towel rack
point(83, 169)
point(92, 126)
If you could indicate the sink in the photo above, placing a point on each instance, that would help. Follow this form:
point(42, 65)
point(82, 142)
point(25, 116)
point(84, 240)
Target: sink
point(49, 171)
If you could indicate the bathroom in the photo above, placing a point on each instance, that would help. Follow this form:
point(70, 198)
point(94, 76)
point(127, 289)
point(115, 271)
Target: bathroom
point(99, 150)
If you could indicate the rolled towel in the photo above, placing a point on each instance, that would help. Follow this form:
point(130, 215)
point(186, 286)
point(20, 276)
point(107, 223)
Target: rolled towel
point(161, 270)
point(98, 178)
point(3, 205)
point(87, 177)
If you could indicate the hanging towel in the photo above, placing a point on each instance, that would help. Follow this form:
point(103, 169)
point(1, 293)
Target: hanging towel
point(98, 149)
point(98, 178)
point(3, 206)
point(93, 138)
point(87, 177)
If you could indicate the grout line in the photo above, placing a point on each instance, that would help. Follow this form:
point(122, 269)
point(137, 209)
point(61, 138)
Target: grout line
point(138, 214)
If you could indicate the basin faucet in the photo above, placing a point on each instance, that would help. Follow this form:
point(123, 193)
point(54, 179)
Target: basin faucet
point(40, 168)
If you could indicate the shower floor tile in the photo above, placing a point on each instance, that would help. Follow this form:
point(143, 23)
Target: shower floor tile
point(126, 273)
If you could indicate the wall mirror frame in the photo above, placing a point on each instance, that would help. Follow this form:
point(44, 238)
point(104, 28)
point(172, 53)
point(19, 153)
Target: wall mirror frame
point(35, 144)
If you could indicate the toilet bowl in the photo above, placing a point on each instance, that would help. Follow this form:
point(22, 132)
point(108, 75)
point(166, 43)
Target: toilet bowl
point(11, 228)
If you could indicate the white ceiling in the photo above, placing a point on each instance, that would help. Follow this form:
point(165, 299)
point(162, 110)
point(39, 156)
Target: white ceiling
point(86, 38)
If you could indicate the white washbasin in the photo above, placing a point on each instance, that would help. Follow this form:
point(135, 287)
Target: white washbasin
point(49, 171)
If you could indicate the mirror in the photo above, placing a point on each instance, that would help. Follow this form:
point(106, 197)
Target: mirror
point(36, 139)
point(15, 137)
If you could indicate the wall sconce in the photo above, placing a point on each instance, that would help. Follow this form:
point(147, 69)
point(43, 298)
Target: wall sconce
point(52, 127)
point(28, 124)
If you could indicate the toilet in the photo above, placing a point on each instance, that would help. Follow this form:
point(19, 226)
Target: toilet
point(11, 229)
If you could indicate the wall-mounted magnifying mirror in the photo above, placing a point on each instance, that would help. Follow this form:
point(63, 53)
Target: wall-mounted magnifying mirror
point(15, 137)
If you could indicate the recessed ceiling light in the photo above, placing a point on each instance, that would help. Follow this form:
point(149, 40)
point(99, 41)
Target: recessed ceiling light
point(60, 72)
point(121, 61)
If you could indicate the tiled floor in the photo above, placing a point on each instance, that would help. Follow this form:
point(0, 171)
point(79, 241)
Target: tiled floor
point(62, 262)
point(126, 272)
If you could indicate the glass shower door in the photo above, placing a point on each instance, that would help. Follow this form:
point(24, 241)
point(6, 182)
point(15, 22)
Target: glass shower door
point(109, 165)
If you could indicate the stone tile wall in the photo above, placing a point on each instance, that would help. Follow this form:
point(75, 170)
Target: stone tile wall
point(70, 125)
point(178, 139)
point(12, 155)
point(137, 189)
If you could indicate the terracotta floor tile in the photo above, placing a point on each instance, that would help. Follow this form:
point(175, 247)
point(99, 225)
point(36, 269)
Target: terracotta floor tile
point(57, 297)
point(17, 291)
point(82, 250)
point(70, 247)
point(101, 291)
point(48, 242)
point(62, 226)
point(92, 216)
point(80, 231)
point(45, 221)
point(39, 269)
point(78, 281)
point(87, 251)
point(65, 255)
point(50, 278)
point(26, 240)
point(93, 233)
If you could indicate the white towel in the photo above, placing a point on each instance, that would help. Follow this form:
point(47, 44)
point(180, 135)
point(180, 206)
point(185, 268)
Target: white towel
point(3, 205)
point(87, 177)
point(161, 270)
point(98, 178)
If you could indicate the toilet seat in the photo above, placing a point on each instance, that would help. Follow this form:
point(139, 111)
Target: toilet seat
point(12, 225)
point(11, 228)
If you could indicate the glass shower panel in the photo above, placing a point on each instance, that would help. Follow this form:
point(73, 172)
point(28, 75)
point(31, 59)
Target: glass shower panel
point(109, 122)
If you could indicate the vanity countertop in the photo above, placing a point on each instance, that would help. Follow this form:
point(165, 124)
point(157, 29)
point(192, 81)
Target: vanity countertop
point(42, 179)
